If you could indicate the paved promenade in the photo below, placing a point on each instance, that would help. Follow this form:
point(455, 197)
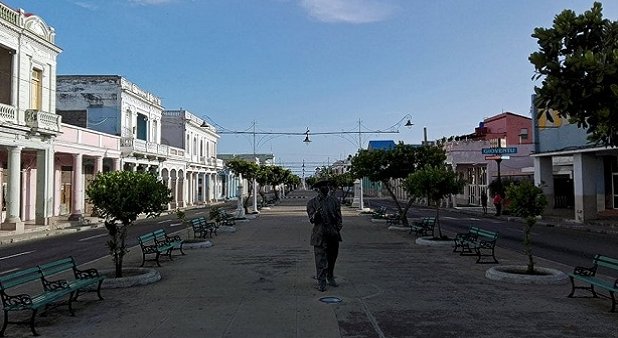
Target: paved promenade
point(258, 282)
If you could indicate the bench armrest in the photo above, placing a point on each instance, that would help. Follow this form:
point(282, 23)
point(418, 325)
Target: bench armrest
point(147, 249)
point(85, 274)
point(486, 244)
point(174, 238)
point(52, 285)
point(584, 271)
point(17, 300)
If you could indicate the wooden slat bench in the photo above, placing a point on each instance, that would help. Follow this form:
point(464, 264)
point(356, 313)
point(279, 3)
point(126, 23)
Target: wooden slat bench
point(589, 276)
point(150, 247)
point(83, 280)
point(423, 227)
point(202, 228)
point(35, 301)
point(476, 242)
point(175, 241)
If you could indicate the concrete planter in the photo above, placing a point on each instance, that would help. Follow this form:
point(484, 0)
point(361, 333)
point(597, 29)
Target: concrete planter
point(196, 244)
point(133, 277)
point(227, 228)
point(516, 274)
point(429, 240)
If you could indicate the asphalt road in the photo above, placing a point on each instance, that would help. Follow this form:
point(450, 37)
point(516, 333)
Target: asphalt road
point(563, 245)
point(84, 246)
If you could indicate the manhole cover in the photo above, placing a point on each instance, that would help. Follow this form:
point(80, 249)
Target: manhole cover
point(330, 300)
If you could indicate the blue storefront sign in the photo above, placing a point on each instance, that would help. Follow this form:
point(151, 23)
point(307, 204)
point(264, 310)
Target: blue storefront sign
point(499, 151)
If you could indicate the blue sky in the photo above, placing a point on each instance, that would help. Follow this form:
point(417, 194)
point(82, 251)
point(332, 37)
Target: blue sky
point(290, 65)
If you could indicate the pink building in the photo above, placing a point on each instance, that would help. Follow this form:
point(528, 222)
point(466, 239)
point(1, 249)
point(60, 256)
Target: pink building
point(466, 155)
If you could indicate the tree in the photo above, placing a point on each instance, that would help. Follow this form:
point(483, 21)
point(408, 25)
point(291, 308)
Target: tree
point(527, 201)
point(119, 197)
point(386, 166)
point(435, 183)
point(278, 176)
point(248, 170)
point(578, 62)
point(263, 177)
point(345, 182)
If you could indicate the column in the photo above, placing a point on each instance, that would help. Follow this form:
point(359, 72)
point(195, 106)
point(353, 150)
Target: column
point(587, 171)
point(116, 164)
point(544, 178)
point(77, 194)
point(57, 187)
point(44, 186)
point(98, 165)
point(13, 222)
point(211, 188)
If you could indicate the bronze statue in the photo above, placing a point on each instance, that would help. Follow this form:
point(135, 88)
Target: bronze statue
point(324, 213)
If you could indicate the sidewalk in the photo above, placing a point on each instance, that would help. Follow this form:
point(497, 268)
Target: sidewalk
point(258, 282)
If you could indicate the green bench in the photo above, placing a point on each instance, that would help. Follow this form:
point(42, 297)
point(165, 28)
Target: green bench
point(202, 228)
point(589, 276)
point(54, 292)
point(476, 242)
point(150, 246)
point(161, 237)
point(423, 227)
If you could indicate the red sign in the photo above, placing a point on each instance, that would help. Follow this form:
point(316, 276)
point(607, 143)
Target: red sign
point(496, 157)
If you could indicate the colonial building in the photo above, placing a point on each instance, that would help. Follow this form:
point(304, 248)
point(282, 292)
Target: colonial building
point(28, 123)
point(577, 176)
point(176, 145)
point(206, 181)
point(499, 146)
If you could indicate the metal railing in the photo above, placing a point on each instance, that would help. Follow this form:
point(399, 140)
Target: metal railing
point(42, 121)
point(8, 114)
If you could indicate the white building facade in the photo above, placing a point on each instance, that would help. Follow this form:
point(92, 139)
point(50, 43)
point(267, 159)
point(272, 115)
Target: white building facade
point(28, 123)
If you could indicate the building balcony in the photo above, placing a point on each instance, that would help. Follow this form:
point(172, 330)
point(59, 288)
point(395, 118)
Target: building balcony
point(8, 114)
point(141, 148)
point(42, 122)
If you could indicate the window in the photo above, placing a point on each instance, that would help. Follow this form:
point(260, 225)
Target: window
point(36, 89)
point(523, 134)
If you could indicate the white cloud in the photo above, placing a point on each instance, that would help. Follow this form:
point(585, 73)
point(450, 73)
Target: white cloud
point(149, 2)
point(86, 5)
point(348, 11)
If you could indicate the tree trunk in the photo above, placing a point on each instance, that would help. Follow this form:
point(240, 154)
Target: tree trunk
point(402, 215)
point(438, 221)
point(530, 221)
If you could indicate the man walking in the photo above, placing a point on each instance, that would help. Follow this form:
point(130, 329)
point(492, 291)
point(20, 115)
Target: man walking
point(324, 213)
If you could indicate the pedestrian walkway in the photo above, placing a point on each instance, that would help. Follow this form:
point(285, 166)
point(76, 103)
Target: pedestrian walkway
point(258, 282)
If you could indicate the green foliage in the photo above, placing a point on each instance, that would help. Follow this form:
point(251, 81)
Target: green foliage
point(397, 163)
point(527, 201)
point(216, 214)
point(124, 195)
point(577, 61)
point(249, 171)
point(435, 183)
point(120, 197)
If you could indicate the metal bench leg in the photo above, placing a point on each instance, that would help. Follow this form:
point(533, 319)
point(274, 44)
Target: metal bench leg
point(99, 290)
point(71, 305)
point(572, 287)
point(182, 252)
point(157, 260)
point(34, 333)
point(5, 323)
point(611, 293)
point(594, 293)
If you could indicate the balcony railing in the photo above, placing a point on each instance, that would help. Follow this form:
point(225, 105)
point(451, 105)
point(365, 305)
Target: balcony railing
point(43, 122)
point(130, 145)
point(8, 114)
point(9, 14)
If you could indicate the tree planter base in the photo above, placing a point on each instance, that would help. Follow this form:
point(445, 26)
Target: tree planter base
point(196, 244)
point(517, 274)
point(429, 240)
point(131, 277)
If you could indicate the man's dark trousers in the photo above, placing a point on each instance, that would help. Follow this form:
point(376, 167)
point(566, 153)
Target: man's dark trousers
point(325, 258)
